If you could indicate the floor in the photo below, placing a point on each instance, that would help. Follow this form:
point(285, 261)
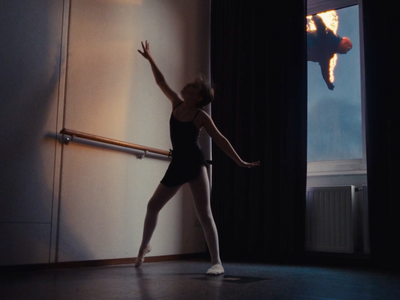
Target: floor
point(186, 280)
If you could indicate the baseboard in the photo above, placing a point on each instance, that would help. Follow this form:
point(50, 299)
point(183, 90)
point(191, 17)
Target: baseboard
point(98, 263)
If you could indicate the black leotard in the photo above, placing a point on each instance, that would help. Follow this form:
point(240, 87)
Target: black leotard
point(187, 156)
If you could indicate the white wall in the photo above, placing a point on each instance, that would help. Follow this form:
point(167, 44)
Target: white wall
point(80, 201)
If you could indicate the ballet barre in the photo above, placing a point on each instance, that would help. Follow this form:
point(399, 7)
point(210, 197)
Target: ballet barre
point(69, 134)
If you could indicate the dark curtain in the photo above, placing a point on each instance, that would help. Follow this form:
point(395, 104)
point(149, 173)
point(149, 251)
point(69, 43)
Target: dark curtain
point(381, 71)
point(259, 68)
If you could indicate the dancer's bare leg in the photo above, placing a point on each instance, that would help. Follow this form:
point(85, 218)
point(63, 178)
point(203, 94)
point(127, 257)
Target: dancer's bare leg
point(201, 194)
point(160, 197)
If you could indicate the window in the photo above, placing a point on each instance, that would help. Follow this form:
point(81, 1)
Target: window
point(335, 117)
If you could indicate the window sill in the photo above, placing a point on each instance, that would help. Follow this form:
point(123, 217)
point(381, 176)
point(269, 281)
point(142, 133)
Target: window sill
point(340, 167)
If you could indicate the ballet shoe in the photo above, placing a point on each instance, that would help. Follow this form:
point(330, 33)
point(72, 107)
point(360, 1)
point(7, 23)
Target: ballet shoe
point(216, 269)
point(141, 256)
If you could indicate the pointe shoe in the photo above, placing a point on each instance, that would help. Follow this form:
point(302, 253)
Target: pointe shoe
point(216, 269)
point(141, 256)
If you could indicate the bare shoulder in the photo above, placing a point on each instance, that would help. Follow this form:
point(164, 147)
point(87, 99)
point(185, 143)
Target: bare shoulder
point(204, 117)
point(175, 102)
point(205, 121)
point(169, 93)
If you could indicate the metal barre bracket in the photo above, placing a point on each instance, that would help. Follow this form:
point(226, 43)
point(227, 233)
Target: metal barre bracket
point(141, 155)
point(66, 139)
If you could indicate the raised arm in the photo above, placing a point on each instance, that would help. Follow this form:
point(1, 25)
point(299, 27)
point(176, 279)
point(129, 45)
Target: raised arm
point(319, 24)
point(159, 77)
point(222, 142)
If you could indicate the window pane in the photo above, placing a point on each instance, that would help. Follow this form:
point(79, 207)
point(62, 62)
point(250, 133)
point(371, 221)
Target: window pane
point(334, 116)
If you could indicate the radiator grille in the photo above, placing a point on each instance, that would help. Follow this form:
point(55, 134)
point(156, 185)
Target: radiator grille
point(329, 219)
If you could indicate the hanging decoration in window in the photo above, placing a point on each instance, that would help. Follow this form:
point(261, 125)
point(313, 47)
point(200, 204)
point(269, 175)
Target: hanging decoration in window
point(323, 43)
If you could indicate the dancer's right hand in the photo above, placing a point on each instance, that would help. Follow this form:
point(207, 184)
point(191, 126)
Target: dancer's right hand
point(146, 50)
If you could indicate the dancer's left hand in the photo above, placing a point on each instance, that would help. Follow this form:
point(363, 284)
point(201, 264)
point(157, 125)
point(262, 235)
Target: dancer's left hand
point(249, 164)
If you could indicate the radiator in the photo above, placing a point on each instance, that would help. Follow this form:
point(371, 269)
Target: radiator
point(329, 219)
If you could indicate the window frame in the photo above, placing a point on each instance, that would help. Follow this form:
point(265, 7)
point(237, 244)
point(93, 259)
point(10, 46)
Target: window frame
point(349, 166)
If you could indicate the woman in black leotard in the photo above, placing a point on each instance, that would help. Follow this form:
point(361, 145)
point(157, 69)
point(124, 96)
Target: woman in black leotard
point(188, 164)
point(187, 157)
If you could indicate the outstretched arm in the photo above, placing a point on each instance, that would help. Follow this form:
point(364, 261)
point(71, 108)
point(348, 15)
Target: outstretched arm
point(325, 74)
point(223, 143)
point(158, 76)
